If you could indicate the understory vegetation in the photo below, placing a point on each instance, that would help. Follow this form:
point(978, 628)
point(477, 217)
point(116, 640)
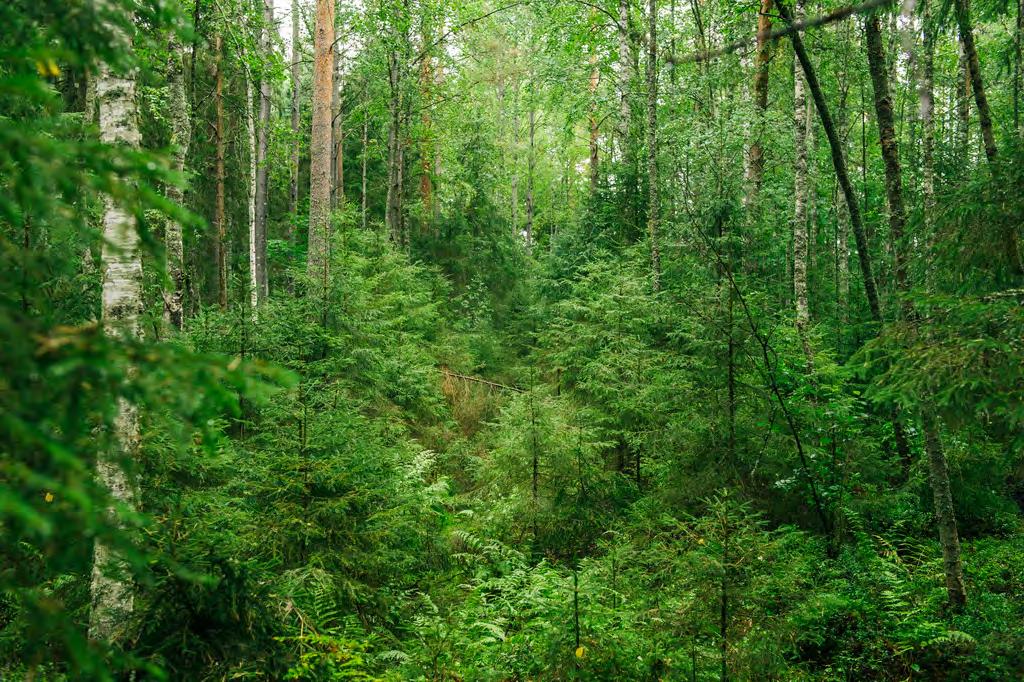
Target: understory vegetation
point(533, 341)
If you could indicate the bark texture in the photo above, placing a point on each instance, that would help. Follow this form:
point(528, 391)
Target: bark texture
point(938, 474)
point(800, 193)
point(262, 145)
point(296, 76)
point(839, 163)
point(652, 142)
point(755, 155)
point(181, 133)
point(111, 587)
point(320, 144)
point(219, 226)
point(963, 21)
point(890, 151)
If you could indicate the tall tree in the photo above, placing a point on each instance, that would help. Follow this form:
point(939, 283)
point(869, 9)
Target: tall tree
point(937, 470)
point(320, 144)
point(181, 132)
point(762, 63)
point(219, 218)
point(111, 587)
point(800, 200)
point(961, 8)
point(296, 76)
point(652, 142)
point(262, 146)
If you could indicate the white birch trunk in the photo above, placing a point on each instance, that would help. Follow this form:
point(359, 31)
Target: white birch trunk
point(111, 588)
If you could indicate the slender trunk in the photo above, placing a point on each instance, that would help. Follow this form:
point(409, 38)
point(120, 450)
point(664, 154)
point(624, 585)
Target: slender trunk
point(111, 587)
point(220, 228)
point(594, 130)
point(515, 160)
point(839, 163)
point(927, 102)
point(1018, 67)
point(337, 136)
point(890, 151)
point(366, 153)
point(938, 474)
point(296, 75)
point(262, 146)
point(181, 131)
point(652, 142)
point(530, 164)
point(426, 143)
point(963, 21)
point(320, 145)
point(391, 209)
point(625, 110)
point(937, 470)
point(963, 107)
point(755, 155)
point(250, 131)
point(800, 191)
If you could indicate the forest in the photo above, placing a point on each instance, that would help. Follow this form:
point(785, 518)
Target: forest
point(512, 340)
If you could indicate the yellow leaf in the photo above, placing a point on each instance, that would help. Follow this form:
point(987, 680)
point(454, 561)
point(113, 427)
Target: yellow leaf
point(48, 497)
point(700, 541)
point(580, 651)
point(52, 68)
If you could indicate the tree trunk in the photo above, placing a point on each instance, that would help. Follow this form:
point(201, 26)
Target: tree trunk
point(938, 474)
point(220, 228)
point(181, 131)
point(337, 137)
point(262, 146)
point(625, 108)
point(250, 133)
point(394, 121)
point(963, 21)
point(755, 155)
point(426, 139)
point(926, 96)
point(839, 163)
point(366, 152)
point(320, 145)
point(800, 192)
point(111, 587)
point(963, 107)
point(652, 142)
point(296, 75)
point(890, 152)
point(594, 130)
point(531, 162)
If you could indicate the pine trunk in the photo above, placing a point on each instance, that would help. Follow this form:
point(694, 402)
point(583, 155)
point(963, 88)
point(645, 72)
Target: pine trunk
point(320, 145)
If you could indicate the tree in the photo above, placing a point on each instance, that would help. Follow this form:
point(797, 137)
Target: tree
point(262, 146)
point(320, 144)
point(111, 588)
point(219, 217)
point(296, 78)
point(652, 143)
point(181, 132)
point(801, 191)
